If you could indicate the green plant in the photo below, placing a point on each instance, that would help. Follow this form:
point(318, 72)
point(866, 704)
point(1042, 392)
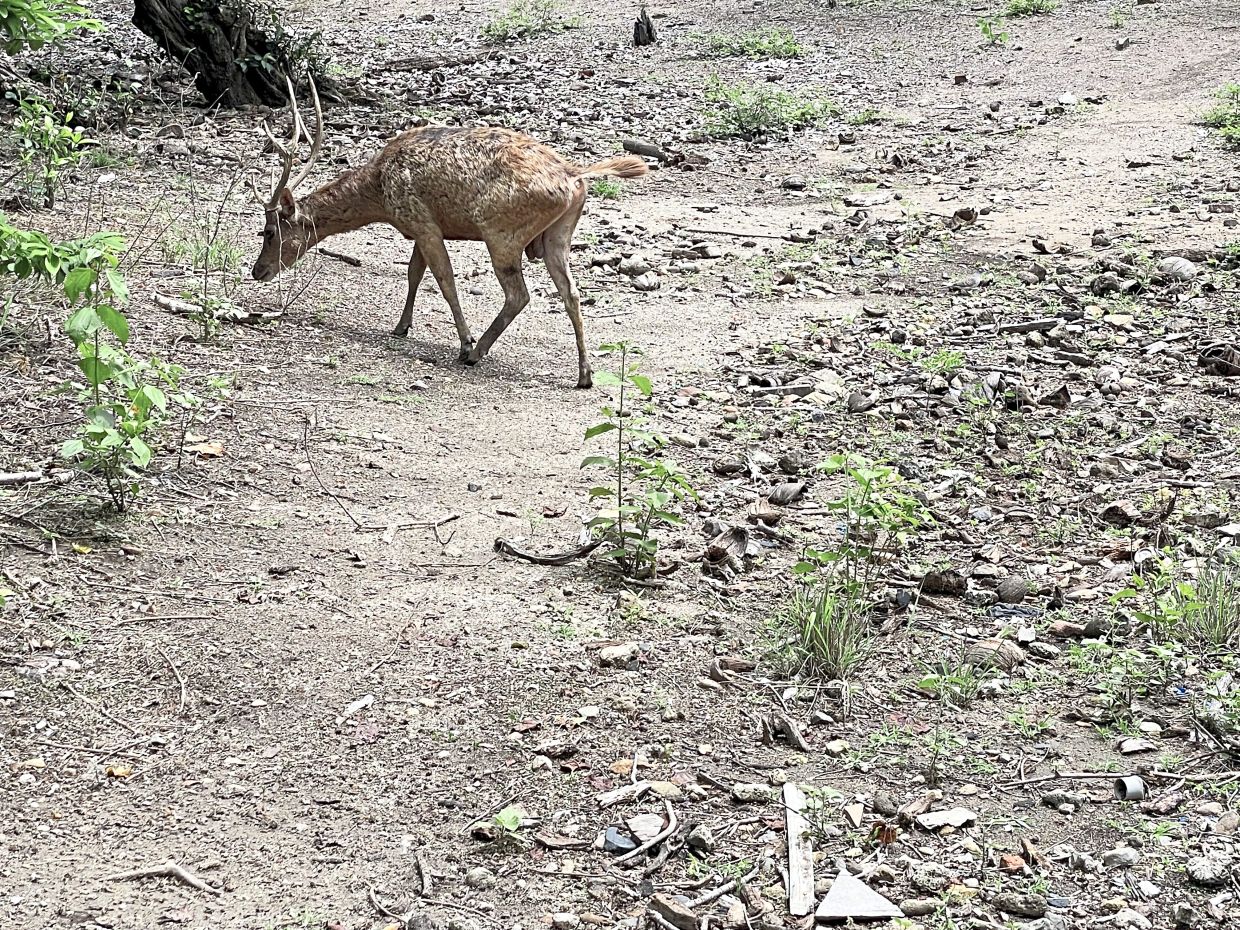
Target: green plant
point(34, 23)
point(747, 111)
point(606, 188)
point(526, 19)
point(865, 117)
point(643, 486)
point(771, 42)
point(201, 251)
point(993, 30)
point(832, 626)
point(46, 146)
point(1225, 115)
point(945, 362)
point(1118, 18)
point(1031, 7)
point(1031, 727)
point(1201, 612)
point(507, 823)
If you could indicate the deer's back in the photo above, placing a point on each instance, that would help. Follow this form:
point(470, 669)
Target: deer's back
point(474, 183)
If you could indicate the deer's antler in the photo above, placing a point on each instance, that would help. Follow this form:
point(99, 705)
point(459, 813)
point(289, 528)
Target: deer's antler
point(288, 150)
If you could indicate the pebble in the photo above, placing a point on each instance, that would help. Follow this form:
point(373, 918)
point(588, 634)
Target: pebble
point(565, 921)
point(930, 877)
point(1130, 918)
point(920, 907)
point(1022, 904)
point(480, 878)
point(1122, 857)
point(752, 793)
point(1210, 870)
point(701, 837)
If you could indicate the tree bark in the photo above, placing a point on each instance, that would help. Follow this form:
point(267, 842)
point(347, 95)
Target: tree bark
point(234, 63)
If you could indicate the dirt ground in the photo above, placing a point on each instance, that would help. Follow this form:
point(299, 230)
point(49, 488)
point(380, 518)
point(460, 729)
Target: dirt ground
point(184, 684)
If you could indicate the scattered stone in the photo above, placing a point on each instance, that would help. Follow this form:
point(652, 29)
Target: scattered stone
point(837, 747)
point(1012, 590)
point(701, 837)
point(956, 817)
point(645, 826)
point(1022, 904)
point(1177, 269)
point(1210, 870)
point(565, 921)
point(618, 656)
point(1127, 917)
point(930, 877)
point(635, 265)
point(480, 878)
point(1184, 916)
point(1122, 857)
point(1057, 799)
point(647, 282)
point(920, 907)
point(752, 793)
point(1227, 825)
point(995, 653)
point(675, 913)
point(666, 790)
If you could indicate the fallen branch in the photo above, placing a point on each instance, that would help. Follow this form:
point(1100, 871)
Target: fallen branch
point(424, 873)
point(737, 234)
point(723, 889)
point(305, 441)
point(655, 840)
point(8, 478)
point(180, 679)
point(560, 558)
point(169, 869)
point(341, 257)
point(228, 313)
point(433, 62)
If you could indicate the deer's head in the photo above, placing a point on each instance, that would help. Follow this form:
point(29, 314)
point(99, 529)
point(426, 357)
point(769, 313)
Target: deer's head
point(287, 231)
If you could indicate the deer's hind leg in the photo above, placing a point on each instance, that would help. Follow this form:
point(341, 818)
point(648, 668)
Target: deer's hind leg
point(557, 241)
point(431, 246)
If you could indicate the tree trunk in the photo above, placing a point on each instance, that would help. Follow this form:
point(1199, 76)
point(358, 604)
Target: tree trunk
point(233, 62)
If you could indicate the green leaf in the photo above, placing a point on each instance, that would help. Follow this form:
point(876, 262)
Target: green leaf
point(606, 379)
point(115, 321)
point(116, 281)
point(140, 452)
point(598, 429)
point(96, 370)
point(77, 282)
point(643, 384)
point(72, 449)
point(602, 492)
point(605, 460)
point(82, 324)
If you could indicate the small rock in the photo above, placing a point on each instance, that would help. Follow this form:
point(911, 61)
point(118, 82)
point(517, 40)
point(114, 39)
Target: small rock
point(480, 878)
point(794, 183)
point(1177, 269)
point(617, 842)
point(920, 907)
point(1122, 857)
point(647, 282)
point(1227, 825)
point(752, 793)
point(1184, 916)
point(930, 877)
point(1012, 590)
point(565, 921)
point(701, 837)
point(837, 747)
point(1210, 870)
point(675, 913)
point(635, 265)
point(1022, 904)
point(620, 655)
point(1130, 918)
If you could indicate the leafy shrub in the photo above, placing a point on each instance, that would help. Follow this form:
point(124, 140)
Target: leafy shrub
point(1032, 7)
point(772, 42)
point(1225, 115)
point(46, 146)
point(747, 111)
point(527, 19)
point(35, 23)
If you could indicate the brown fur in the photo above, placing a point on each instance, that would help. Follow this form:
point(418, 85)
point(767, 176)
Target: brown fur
point(438, 184)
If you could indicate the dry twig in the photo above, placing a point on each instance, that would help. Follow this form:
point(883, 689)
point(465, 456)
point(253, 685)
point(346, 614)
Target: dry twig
point(169, 869)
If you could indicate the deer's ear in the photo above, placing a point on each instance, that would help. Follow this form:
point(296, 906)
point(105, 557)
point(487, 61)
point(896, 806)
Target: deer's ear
point(288, 206)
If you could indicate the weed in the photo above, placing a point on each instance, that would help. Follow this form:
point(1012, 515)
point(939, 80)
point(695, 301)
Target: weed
point(945, 362)
point(833, 629)
point(200, 251)
point(527, 19)
point(46, 146)
point(771, 42)
point(642, 487)
point(747, 111)
point(606, 188)
point(955, 683)
point(1031, 727)
point(1225, 115)
point(1204, 612)
point(1118, 18)
point(993, 30)
point(1016, 8)
point(865, 117)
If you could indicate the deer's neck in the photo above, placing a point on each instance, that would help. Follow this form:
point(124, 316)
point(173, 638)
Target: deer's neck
point(350, 202)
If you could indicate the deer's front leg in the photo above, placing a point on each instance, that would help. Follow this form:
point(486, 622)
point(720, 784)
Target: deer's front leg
point(436, 255)
point(417, 268)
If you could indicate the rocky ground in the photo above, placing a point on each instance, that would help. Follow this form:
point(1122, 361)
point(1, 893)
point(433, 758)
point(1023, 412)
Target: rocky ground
point(300, 671)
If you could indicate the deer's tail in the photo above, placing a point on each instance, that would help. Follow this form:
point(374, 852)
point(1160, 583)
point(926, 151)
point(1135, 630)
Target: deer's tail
point(618, 166)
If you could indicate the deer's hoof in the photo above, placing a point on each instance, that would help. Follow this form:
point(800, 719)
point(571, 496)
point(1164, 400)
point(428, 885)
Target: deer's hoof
point(400, 332)
point(585, 380)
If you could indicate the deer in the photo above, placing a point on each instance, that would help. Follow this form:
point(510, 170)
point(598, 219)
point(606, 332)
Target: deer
point(437, 184)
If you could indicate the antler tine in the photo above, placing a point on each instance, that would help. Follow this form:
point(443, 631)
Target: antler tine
point(316, 144)
point(286, 150)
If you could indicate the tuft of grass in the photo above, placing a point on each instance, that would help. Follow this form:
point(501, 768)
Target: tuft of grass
point(747, 111)
point(865, 117)
point(607, 188)
point(1225, 115)
point(200, 253)
point(526, 19)
point(1032, 7)
point(832, 630)
point(757, 44)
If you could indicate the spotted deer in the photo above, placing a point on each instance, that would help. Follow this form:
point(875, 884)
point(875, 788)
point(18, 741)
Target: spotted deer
point(438, 184)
